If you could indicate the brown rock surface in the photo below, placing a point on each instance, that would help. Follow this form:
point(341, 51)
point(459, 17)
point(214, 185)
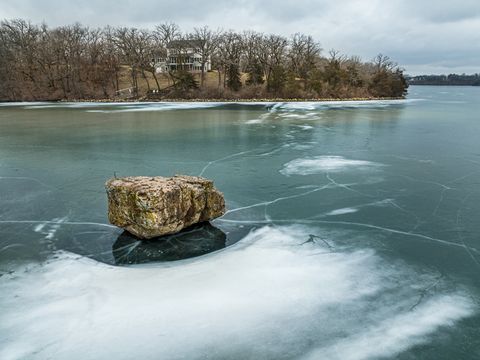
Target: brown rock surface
point(149, 207)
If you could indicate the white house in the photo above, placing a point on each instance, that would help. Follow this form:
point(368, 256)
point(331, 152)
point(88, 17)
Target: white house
point(182, 54)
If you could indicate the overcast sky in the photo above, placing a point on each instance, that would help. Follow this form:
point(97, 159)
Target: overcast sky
point(424, 36)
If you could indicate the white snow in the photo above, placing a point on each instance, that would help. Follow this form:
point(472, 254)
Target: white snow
point(271, 296)
point(342, 211)
point(324, 163)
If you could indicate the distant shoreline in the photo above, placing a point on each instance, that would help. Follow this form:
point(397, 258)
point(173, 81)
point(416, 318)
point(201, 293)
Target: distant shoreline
point(462, 85)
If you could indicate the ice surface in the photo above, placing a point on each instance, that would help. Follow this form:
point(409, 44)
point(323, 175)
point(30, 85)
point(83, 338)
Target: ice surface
point(280, 293)
point(383, 261)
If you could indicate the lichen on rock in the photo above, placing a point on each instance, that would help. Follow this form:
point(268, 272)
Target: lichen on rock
point(149, 207)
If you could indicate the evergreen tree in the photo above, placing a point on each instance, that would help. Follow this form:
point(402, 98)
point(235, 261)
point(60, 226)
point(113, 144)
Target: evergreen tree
point(333, 73)
point(388, 84)
point(292, 86)
point(400, 85)
point(277, 80)
point(255, 74)
point(233, 78)
point(316, 82)
point(353, 76)
point(184, 81)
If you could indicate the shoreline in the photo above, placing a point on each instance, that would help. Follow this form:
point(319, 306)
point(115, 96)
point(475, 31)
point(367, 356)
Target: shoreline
point(239, 100)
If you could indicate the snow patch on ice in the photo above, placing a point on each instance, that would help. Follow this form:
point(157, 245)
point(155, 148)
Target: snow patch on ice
point(160, 106)
point(305, 127)
point(398, 333)
point(342, 211)
point(279, 293)
point(49, 229)
point(348, 104)
point(320, 164)
point(254, 121)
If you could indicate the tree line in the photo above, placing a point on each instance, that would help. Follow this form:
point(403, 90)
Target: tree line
point(77, 62)
point(452, 79)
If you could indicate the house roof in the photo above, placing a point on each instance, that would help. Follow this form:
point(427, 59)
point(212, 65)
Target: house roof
point(185, 43)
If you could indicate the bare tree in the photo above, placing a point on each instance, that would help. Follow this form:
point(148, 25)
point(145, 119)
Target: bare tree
point(303, 55)
point(383, 63)
point(126, 40)
point(206, 41)
point(74, 62)
point(111, 57)
point(272, 54)
point(22, 40)
point(251, 58)
point(230, 50)
point(167, 32)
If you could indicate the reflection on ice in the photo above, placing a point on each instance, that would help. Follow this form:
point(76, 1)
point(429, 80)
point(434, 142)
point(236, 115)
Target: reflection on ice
point(274, 295)
point(107, 244)
point(197, 240)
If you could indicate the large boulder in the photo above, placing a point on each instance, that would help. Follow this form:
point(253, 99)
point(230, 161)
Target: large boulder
point(149, 207)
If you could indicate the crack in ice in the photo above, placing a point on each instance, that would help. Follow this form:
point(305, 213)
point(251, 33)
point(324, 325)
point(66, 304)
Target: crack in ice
point(222, 159)
point(370, 226)
point(46, 222)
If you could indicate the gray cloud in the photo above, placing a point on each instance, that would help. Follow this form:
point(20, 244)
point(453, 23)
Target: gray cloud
point(442, 11)
point(428, 36)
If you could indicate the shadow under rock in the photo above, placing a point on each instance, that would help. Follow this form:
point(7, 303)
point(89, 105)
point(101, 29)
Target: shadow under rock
point(199, 239)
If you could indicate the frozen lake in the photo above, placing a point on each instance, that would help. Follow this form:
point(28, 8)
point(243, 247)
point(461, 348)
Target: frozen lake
point(352, 231)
